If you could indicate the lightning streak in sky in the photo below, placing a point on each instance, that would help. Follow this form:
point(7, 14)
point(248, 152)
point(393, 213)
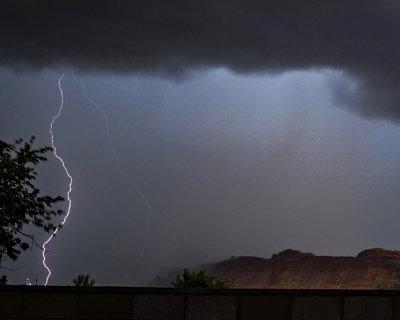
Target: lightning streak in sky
point(116, 163)
point(69, 177)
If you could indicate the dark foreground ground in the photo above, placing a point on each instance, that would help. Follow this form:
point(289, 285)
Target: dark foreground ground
point(37, 302)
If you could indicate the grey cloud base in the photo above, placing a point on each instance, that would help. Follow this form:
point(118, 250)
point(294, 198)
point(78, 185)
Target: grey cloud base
point(171, 38)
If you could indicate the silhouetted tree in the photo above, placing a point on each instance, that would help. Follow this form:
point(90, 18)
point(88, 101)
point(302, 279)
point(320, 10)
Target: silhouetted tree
point(83, 280)
point(199, 280)
point(20, 201)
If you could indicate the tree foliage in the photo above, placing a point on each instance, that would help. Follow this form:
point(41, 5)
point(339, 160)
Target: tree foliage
point(83, 280)
point(20, 201)
point(199, 279)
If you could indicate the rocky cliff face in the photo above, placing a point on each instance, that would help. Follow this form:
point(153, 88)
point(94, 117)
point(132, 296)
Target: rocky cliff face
point(298, 270)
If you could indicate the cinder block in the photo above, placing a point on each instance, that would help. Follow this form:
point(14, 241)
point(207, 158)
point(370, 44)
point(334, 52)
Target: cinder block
point(49, 305)
point(264, 307)
point(104, 306)
point(160, 307)
point(316, 308)
point(210, 307)
point(371, 308)
point(11, 304)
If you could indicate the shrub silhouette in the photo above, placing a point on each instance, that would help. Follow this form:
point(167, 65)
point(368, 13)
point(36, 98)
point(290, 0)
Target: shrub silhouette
point(83, 280)
point(199, 280)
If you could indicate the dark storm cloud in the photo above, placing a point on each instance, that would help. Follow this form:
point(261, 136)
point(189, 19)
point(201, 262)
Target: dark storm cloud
point(359, 37)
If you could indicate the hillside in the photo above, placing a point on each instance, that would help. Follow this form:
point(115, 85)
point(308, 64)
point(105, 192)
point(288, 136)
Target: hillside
point(298, 270)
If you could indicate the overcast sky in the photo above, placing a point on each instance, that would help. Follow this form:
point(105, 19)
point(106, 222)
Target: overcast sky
point(221, 128)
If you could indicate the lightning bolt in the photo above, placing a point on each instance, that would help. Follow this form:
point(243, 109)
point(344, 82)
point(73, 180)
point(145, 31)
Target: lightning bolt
point(66, 172)
point(116, 164)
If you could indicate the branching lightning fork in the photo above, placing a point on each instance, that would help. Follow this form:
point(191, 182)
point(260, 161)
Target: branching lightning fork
point(116, 163)
point(69, 177)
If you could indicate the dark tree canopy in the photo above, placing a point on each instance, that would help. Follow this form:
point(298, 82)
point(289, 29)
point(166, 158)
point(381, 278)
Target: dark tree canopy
point(199, 279)
point(20, 201)
point(3, 280)
point(83, 280)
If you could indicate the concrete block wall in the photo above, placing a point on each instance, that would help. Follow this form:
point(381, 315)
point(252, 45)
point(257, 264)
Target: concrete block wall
point(67, 303)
